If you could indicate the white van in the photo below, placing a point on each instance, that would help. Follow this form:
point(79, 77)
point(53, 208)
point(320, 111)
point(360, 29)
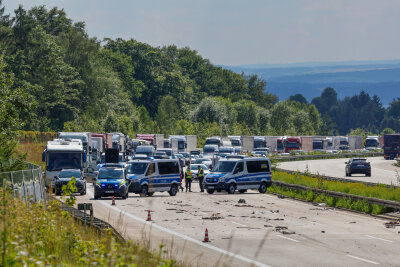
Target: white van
point(239, 174)
point(149, 176)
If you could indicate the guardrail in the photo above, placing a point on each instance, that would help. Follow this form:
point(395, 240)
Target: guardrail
point(26, 184)
point(328, 156)
point(371, 200)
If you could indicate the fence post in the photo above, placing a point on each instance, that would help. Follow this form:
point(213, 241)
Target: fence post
point(12, 182)
point(34, 184)
point(24, 186)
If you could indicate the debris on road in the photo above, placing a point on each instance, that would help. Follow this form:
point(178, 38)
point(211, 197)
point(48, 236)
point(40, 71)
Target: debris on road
point(242, 201)
point(352, 222)
point(214, 216)
point(303, 217)
point(392, 224)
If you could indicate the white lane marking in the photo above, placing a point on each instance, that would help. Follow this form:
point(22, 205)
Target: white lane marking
point(288, 238)
point(220, 250)
point(239, 224)
point(361, 259)
point(374, 237)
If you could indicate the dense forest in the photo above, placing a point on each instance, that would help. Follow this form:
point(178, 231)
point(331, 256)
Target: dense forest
point(60, 78)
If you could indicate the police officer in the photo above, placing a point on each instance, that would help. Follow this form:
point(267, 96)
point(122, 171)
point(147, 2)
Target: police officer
point(200, 175)
point(188, 179)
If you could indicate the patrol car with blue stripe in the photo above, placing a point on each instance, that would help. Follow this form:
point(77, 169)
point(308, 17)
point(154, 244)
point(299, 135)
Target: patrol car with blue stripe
point(150, 176)
point(239, 174)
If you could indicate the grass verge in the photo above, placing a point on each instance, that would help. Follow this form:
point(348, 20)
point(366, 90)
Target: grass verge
point(346, 203)
point(37, 235)
point(379, 191)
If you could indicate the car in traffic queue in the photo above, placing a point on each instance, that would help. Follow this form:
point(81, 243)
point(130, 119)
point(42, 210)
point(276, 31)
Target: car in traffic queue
point(111, 181)
point(239, 174)
point(150, 176)
point(206, 161)
point(194, 168)
point(65, 176)
point(358, 166)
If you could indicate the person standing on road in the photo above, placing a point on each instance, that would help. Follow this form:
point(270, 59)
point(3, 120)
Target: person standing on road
point(188, 179)
point(200, 175)
point(180, 183)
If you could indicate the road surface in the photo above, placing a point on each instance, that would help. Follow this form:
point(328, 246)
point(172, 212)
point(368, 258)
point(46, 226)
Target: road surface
point(265, 231)
point(382, 171)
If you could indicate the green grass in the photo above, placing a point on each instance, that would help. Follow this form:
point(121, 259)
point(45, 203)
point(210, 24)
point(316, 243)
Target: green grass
point(346, 203)
point(34, 235)
point(379, 191)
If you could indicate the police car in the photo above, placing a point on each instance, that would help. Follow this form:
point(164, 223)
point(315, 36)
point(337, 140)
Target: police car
point(150, 176)
point(111, 181)
point(239, 174)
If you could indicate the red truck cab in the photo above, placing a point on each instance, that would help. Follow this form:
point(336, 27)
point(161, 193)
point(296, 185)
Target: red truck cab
point(292, 143)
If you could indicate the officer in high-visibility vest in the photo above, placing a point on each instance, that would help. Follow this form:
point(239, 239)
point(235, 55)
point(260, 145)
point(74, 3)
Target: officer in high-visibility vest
point(200, 175)
point(188, 179)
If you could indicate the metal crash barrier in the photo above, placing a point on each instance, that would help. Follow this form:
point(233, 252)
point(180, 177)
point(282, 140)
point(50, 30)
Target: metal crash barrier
point(26, 184)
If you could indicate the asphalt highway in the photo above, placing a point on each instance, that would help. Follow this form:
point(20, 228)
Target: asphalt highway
point(264, 231)
point(382, 171)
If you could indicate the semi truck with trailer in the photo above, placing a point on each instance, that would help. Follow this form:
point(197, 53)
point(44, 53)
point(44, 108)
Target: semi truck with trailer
point(259, 141)
point(280, 144)
point(62, 154)
point(372, 142)
point(391, 146)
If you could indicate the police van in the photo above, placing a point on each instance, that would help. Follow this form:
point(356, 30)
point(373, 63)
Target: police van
point(239, 174)
point(149, 176)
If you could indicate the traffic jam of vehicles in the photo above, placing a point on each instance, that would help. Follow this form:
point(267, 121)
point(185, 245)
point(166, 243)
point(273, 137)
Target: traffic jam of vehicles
point(117, 165)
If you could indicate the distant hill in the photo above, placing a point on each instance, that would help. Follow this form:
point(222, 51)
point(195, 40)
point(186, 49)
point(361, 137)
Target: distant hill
point(348, 78)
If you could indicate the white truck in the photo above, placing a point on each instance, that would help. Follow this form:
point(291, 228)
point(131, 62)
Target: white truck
point(85, 137)
point(97, 149)
point(119, 142)
point(61, 154)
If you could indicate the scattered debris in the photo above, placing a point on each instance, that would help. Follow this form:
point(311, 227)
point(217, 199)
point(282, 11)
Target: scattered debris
point(214, 216)
point(288, 232)
point(276, 219)
point(274, 211)
point(281, 196)
point(303, 218)
point(170, 209)
point(216, 203)
point(352, 222)
point(253, 212)
point(323, 232)
point(266, 225)
point(392, 224)
point(280, 228)
point(242, 201)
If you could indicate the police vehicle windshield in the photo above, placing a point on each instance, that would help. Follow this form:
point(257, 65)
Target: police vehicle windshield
point(224, 166)
point(137, 167)
point(106, 173)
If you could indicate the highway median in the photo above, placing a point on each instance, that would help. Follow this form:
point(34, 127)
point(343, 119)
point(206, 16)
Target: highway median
point(375, 199)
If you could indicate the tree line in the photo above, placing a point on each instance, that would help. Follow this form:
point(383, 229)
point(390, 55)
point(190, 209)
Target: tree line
point(69, 81)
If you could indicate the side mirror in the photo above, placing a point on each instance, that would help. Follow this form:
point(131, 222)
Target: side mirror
point(84, 157)
point(44, 156)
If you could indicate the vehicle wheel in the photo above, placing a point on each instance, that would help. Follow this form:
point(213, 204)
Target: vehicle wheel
point(173, 191)
point(96, 196)
point(210, 191)
point(219, 190)
point(150, 194)
point(263, 188)
point(243, 191)
point(350, 174)
point(368, 174)
point(144, 191)
point(347, 174)
point(231, 188)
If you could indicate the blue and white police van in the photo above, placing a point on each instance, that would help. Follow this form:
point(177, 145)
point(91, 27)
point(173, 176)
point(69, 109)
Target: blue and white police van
point(239, 174)
point(150, 176)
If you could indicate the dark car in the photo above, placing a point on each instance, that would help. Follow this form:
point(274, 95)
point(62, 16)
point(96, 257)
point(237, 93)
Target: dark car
point(360, 166)
point(111, 181)
point(65, 176)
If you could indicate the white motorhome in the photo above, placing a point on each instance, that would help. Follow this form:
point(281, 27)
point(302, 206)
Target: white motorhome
point(85, 137)
point(61, 154)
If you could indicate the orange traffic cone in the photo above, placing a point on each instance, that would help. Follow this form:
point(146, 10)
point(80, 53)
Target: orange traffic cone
point(206, 237)
point(148, 215)
point(113, 201)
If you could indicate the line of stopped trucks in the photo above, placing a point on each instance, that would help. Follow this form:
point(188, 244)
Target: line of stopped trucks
point(117, 164)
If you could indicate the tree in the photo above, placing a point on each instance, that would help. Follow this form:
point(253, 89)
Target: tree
point(299, 98)
point(387, 131)
point(167, 115)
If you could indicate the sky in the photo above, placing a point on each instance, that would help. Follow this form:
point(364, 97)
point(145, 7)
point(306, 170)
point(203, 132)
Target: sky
point(237, 32)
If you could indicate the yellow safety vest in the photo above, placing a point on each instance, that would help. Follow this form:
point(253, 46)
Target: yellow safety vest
point(188, 174)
